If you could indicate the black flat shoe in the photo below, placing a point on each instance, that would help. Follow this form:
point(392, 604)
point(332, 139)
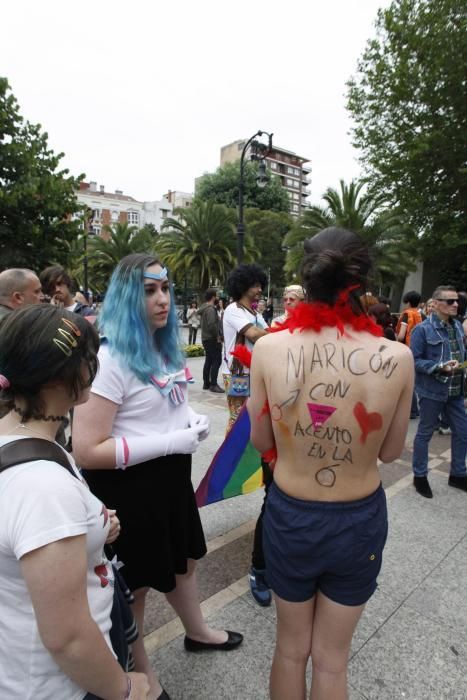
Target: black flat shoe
point(459, 482)
point(216, 389)
point(422, 486)
point(234, 640)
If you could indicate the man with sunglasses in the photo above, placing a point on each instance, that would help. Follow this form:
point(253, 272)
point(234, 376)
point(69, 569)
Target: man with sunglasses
point(438, 349)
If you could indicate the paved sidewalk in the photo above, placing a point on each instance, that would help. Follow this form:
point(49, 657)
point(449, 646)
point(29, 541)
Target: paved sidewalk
point(412, 639)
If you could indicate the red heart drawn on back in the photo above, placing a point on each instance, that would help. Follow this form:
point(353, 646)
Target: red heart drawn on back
point(368, 422)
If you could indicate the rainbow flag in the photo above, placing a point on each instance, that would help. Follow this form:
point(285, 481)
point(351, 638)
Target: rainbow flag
point(236, 467)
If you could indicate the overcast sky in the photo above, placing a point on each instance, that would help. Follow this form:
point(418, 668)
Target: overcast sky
point(141, 95)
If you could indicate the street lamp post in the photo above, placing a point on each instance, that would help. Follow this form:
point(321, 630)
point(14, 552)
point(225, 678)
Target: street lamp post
point(259, 151)
point(88, 219)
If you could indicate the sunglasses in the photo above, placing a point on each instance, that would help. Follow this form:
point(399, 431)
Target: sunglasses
point(449, 302)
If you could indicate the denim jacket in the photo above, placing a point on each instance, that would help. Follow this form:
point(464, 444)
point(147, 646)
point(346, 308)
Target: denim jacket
point(430, 346)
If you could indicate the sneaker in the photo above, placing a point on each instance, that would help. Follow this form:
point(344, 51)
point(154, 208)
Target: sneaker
point(458, 482)
point(444, 431)
point(216, 389)
point(422, 486)
point(259, 587)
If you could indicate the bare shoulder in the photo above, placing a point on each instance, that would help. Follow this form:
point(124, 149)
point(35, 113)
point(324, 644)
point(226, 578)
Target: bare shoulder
point(269, 343)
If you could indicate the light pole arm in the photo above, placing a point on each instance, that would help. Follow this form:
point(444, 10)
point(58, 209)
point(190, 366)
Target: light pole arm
point(240, 225)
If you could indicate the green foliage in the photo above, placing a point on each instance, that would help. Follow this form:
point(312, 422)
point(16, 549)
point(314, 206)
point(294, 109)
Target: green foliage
point(392, 243)
point(408, 100)
point(105, 253)
point(267, 230)
point(194, 350)
point(201, 243)
point(36, 199)
point(222, 187)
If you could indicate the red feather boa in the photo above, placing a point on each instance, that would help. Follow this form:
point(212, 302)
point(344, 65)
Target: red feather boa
point(316, 315)
point(242, 354)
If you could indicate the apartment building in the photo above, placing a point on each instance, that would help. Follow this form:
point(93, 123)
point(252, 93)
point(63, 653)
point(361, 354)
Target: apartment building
point(292, 169)
point(115, 207)
point(179, 200)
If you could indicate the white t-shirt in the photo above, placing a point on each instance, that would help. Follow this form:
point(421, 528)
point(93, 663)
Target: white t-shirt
point(40, 503)
point(141, 407)
point(236, 318)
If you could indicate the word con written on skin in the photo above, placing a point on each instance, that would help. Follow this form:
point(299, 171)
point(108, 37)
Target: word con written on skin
point(329, 356)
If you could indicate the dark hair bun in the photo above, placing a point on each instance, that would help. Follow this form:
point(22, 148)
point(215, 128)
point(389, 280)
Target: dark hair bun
point(334, 259)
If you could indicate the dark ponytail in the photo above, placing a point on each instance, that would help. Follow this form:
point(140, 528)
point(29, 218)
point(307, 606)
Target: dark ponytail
point(334, 259)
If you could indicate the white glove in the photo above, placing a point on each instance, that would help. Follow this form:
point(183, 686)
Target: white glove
point(183, 442)
point(135, 450)
point(198, 420)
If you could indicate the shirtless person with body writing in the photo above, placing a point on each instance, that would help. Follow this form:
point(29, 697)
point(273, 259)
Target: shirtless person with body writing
point(338, 397)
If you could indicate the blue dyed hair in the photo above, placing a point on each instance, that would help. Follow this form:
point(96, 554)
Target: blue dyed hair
point(124, 323)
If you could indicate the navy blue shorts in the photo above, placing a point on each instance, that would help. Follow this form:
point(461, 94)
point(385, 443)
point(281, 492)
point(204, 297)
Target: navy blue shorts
point(335, 548)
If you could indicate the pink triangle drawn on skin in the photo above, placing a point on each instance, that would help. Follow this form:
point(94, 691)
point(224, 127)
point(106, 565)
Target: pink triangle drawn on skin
point(319, 413)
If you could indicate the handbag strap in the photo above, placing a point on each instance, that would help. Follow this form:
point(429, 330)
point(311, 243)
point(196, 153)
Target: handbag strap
point(30, 450)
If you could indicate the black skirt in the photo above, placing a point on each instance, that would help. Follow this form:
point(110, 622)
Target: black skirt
point(161, 527)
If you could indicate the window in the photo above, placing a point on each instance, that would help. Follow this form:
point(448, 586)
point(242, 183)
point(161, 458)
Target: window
point(114, 215)
point(164, 213)
point(95, 230)
point(296, 172)
point(133, 218)
point(290, 182)
point(290, 171)
point(273, 165)
point(294, 207)
point(295, 195)
point(97, 215)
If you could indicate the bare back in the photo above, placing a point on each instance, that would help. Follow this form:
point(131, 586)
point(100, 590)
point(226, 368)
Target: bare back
point(334, 402)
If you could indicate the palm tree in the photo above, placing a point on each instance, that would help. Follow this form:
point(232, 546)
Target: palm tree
point(201, 242)
point(391, 242)
point(105, 253)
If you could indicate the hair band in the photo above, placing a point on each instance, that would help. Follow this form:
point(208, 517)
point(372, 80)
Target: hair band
point(72, 326)
point(63, 347)
point(162, 275)
point(4, 382)
point(72, 342)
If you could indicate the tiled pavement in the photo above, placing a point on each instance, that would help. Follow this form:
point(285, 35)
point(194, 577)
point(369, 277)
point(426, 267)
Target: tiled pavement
point(411, 642)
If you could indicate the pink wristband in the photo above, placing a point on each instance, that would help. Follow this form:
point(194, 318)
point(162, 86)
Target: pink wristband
point(128, 690)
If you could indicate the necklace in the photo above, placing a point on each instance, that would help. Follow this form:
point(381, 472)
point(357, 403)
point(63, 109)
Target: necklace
point(40, 416)
point(25, 427)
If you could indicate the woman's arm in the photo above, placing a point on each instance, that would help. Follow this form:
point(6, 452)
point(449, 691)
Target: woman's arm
point(93, 446)
point(402, 332)
point(394, 440)
point(262, 435)
point(56, 579)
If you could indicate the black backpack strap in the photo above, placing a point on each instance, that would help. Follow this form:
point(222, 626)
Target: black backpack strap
point(30, 450)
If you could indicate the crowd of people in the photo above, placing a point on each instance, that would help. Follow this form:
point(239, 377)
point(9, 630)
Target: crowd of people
point(329, 388)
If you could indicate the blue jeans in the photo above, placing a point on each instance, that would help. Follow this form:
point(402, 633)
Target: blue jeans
point(430, 410)
point(414, 412)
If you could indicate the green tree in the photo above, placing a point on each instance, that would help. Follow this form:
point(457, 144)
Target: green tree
point(267, 230)
point(105, 252)
point(201, 243)
point(409, 103)
point(37, 200)
point(222, 187)
point(392, 243)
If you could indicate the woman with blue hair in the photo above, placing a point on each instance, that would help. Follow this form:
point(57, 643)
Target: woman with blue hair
point(135, 438)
